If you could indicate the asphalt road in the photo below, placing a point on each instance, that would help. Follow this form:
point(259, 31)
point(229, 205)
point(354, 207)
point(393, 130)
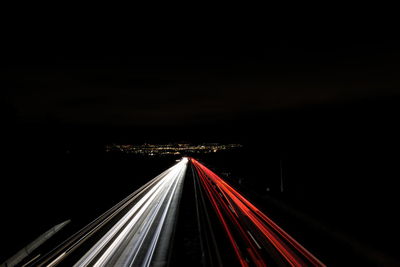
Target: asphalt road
point(136, 231)
point(224, 228)
point(256, 240)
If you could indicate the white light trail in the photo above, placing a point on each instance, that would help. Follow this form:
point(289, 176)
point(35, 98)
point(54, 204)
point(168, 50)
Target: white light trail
point(134, 238)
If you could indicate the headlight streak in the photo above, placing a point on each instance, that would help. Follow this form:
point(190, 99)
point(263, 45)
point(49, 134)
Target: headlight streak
point(256, 231)
point(133, 239)
point(72, 243)
point(157, 201)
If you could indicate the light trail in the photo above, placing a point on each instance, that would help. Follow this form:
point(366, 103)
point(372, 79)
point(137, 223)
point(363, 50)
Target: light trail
point(139, 229)
point(134, 238)
point(142, 232)
point(255, 238)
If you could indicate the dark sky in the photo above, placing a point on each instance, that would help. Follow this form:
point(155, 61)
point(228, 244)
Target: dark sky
point(142, 75)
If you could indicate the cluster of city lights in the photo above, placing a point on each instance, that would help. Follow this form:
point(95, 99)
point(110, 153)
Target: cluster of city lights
point(170, 149)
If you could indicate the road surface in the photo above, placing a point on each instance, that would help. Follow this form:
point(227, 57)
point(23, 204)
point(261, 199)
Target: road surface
point(139, 230)
point(142, 227)
point(254, 237)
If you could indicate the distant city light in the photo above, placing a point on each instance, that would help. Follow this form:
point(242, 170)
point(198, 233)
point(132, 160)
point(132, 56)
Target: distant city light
point(170, 149)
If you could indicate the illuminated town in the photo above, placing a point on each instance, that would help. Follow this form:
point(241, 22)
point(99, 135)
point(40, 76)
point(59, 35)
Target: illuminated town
point(171, 149)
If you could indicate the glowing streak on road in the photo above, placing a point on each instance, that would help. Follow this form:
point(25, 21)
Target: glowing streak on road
point(250, 226)
point(134, 238)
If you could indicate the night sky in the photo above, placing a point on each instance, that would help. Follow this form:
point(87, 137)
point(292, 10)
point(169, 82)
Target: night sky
point(156, 75)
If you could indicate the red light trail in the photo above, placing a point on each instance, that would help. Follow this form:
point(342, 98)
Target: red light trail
point(255, 238)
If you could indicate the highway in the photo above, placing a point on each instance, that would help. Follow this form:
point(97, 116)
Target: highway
point(142, 227)
point(256, 240)
point(134, 238)
point(139, 230)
